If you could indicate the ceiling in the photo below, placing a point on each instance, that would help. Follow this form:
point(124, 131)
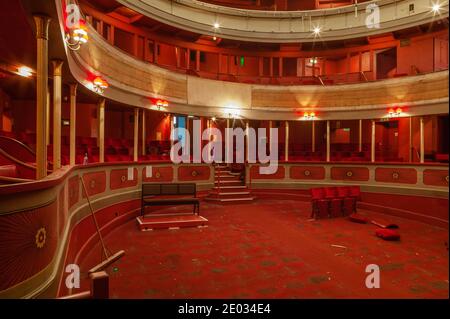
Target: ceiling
point(118, 11)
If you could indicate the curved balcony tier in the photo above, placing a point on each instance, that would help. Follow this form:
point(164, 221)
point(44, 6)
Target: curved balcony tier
point(286, 26)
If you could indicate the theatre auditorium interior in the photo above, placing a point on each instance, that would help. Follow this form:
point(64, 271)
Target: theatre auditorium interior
point(231, 149)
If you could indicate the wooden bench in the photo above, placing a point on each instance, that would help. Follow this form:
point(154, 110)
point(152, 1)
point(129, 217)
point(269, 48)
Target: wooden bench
point(152, 193)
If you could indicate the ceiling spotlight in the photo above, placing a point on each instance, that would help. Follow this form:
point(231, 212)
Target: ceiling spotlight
point(213, 119)
point(316, 30)
point(24, 71)
point(216, 25)
point(214, 38)
point(436, 7)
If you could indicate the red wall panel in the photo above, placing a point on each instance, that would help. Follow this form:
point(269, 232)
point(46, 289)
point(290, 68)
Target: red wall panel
point(74, 190)
point(159, 174)
point(27, 243)
point(350, 173)
point(435, 177)
point(194, 173)
point(307, 172)
point(396, 175)
point(119, 178)
point(255, 174)
point(95, 183)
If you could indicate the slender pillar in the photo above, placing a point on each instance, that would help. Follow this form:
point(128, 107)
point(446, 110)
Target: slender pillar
point(47, 129)
point(136, 135)
point(208, 126)
point(422, 141)
point(197, 61)
point(313, 136)
point(144, 134)
point(410, 140)
point(360, 136)
point(42, 23)
point(73, 122)
point(270, 136)
point(280, 67)
point(188, 58)
point(177, 55)
point(271, 67)
point(372, 143)
point(101, 130)
point(57, 73)
point(171, 130)
point(155, 52)
point(247, 141)
point(286, 142)
point(328, 140)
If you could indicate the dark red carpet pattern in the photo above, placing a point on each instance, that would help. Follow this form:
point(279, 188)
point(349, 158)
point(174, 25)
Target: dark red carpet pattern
point(270, 249)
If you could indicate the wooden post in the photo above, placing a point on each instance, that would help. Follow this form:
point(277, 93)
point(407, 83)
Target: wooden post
point(155, 52)
point(42, 23)
point(410, 140)
point(328, 140)
point(57, 74)
point(261, 66)
point(178, 57)
point(188, 58)
point(313, 136)
point(280, 67)
point(101, 130)
point(73, 121)
point(136, 135)
point(372, 143)
point(197, 61)
point(422, 141)
point(47, 128)
point(144, 134)
point(271, 67)
point(360, 136)
point(99, 285)
point(286, 142)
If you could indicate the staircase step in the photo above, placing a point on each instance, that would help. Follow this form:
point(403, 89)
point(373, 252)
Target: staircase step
point(230, 187)
point(227, 200)
point(229, 181)
point(233, 193)
point(226, 176)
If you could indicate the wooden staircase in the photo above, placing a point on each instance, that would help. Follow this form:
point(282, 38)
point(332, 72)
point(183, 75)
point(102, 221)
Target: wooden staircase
point(228, 187)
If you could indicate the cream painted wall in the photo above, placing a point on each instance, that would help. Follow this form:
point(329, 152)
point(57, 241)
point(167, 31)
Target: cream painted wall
point(218, 93)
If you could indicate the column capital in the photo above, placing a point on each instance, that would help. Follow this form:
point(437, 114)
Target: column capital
point(57, 67)
point(101, 101)
point(73, 89)
point(42, 22)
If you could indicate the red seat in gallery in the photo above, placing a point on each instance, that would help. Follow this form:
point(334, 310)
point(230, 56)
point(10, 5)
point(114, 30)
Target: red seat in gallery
point(319, 203)
point(8, 171)
point(348, 202)
point(335, 202)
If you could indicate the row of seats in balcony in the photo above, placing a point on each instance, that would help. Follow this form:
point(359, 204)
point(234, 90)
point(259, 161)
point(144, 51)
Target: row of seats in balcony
point(327, 202)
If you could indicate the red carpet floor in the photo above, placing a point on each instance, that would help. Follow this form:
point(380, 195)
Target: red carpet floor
point(269, 249)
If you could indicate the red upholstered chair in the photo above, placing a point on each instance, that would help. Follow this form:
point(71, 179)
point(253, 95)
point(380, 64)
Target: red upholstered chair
point(8, 171)
point(355, 193)
point(319, 203)
point(330, 192)
point(336, 207)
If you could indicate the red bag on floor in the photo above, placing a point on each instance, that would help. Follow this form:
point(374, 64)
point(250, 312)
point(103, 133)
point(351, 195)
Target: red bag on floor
point(387, 234)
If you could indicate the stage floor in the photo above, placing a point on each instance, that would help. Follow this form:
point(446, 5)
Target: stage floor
point(270, 249)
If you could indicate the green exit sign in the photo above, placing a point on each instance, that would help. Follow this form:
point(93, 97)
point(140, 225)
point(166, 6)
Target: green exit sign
point(242, 60)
